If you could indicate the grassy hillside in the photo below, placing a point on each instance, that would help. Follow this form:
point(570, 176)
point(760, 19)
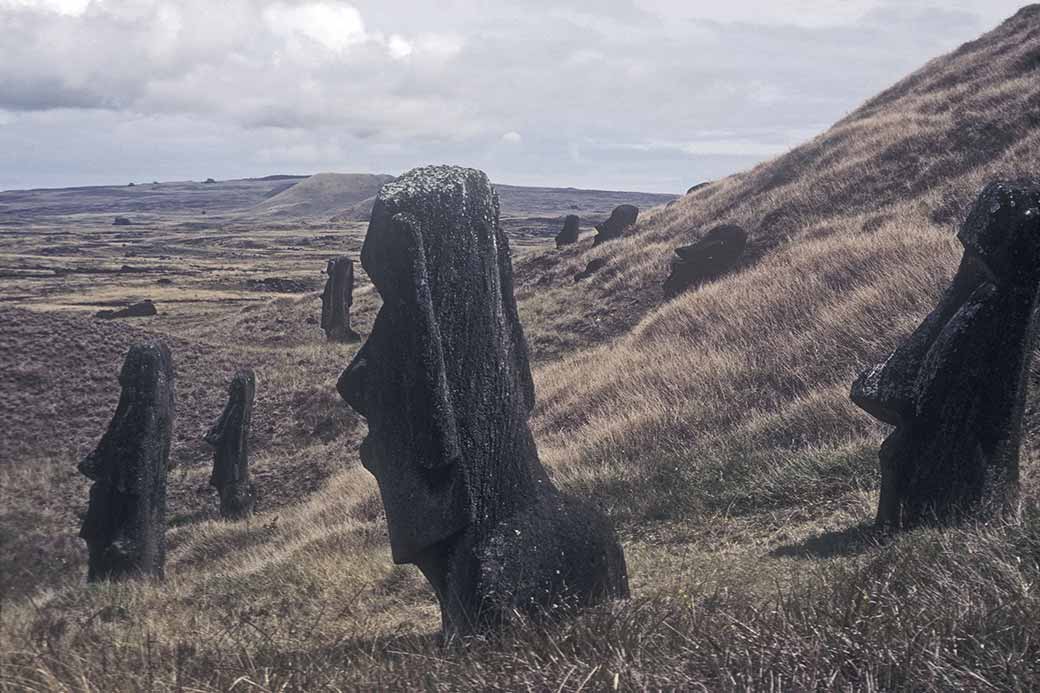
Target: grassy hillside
point(714, 428)
point(321, 195)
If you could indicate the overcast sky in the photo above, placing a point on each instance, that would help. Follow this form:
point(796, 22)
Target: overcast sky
point(652, 95)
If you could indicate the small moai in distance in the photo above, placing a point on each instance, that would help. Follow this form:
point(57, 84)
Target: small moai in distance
point(125, 525)
point(569, 234)
point(336, 300)
point(229, 437)
point(955, 389)
point(620, 219)
point(446, 387)
point(715, 254)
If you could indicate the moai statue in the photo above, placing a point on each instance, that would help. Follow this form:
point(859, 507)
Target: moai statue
point(230, 440)
point(712, 256)
point(620, 220)
point(336, 300)
point(444, 383)
point(569, 234)
point(956, 388)
point(125, 526)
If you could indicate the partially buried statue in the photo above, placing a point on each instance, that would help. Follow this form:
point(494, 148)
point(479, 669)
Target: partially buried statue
point(956, 388)
point(229, 437)
point(444, 383)
point(336, 300)
point(125, 526)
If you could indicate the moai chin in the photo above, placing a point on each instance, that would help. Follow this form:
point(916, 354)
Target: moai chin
point(336, 300)
point(125, 525)
point(955, 389)
point(444, 383)
point(229, 437)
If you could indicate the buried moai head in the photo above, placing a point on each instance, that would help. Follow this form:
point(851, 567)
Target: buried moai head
point(615, 226)
point(568, 235)
point(125, 525)
point(955, 389)
point(336, 300)
point(229, 437)
point(443, 379)
point(713, 255)
point(444, 383)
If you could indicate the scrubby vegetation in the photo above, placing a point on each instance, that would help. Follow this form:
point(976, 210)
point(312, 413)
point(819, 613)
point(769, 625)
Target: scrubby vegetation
point(714, 428)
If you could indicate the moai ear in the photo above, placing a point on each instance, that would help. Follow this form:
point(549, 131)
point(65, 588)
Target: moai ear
point(426, 395)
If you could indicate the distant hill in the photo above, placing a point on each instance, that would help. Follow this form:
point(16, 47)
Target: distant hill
point(536, 211)
point(321, 195)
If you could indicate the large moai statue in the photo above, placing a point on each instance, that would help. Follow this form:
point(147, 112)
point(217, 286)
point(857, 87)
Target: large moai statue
point(444, 383)
point(568, 235)
point(125, 526)
point(336, 300)
point(229, 437)
point(623, 217)
point(956, 388)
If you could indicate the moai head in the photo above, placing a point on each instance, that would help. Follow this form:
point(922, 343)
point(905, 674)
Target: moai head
point(620, 219)
point(229, 437)
point(336, 300)
point(125, 526)
point(443, 379)
point(955, 388)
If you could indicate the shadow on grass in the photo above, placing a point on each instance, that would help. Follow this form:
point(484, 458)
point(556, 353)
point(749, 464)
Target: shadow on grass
point(846, 542)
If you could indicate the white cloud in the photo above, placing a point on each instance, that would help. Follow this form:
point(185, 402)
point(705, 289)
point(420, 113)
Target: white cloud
point(398, 47)
point(73, 8)
point(660, 89)
point(335, 26)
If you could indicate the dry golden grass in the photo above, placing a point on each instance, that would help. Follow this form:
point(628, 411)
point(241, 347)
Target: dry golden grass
point(715, 429)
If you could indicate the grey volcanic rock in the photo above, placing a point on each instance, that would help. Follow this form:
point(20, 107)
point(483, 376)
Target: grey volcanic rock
point(591, 268)
point(710, 257)
point(336, 300)
point(955, 388)
point(136, 310)
point(229, 437)
point(125, 525)
point(569, 234)
point(445, 385)
point(620, 219)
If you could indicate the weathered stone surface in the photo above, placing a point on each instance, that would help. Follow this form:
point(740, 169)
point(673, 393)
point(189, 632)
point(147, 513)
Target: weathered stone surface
point(710, 257)
point(620, 219)
point(229, 437)
point(136, 310)
point(569, 234)
point(444, 383)
point(955, 389)
point(591, 268)
point(125, 525)
point(336, 300)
